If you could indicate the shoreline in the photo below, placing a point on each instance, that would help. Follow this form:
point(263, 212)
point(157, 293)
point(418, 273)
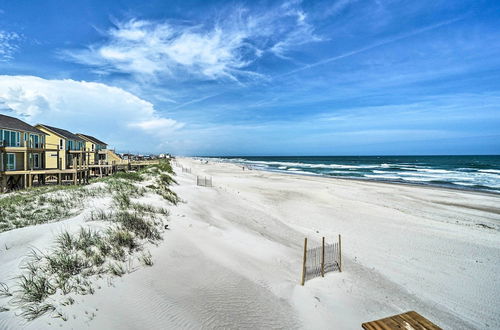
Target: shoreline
point(401, 242)
point(412, 184)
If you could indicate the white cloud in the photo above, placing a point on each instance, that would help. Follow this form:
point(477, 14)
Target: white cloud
point(157, 124)
point(112, 114)
point(8, 45)
point(213, 49)
point(302, 33)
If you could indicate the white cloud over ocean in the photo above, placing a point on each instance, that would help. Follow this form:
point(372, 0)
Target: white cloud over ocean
point(110, 113)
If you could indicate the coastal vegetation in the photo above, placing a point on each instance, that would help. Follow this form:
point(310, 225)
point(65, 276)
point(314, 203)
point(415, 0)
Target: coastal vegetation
point(44, 204)
point(130, 222)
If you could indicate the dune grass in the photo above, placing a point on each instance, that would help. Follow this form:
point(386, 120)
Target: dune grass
point(78, 257)
point(43, 204)
point(55, 203)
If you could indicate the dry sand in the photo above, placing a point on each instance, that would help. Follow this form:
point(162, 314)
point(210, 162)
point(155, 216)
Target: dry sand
point(232, 258)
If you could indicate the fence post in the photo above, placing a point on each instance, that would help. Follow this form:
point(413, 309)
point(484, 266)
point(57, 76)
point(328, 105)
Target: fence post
point(323, 257)
point(304, 263)
point(340, 254)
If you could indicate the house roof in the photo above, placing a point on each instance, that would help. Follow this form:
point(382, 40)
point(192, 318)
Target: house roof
point(62, 132)
point(8, 122)
point(91, 139)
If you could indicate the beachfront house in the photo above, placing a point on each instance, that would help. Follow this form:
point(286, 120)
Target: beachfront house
point(95, 150)
point(22, 149)
point(70, 146)
point(22, 146)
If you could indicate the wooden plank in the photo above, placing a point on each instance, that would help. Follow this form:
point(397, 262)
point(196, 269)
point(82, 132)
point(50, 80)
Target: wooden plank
point(408, 320)
point(304, 263)
point(340, 253)
point(323, 257)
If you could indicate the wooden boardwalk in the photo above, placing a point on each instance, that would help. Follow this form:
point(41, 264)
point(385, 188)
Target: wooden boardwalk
point(407, 321)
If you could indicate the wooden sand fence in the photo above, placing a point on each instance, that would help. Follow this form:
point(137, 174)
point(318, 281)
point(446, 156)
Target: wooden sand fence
point(203, 181)
point(321, 259)
point(186, 169)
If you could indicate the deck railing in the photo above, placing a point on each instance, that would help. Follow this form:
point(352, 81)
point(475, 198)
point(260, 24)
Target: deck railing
point(22, 144)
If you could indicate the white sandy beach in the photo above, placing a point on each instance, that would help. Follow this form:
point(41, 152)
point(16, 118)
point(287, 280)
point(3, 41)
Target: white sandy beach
point(232, 257)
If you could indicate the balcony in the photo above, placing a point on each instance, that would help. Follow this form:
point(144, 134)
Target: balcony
point(22, 144)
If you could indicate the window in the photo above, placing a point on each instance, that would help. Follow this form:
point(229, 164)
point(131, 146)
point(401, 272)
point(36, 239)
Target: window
point(11, 162)
point(11, 138)
point(36, 160)
point(75, 145)
point(61, 144)
point(36, 141)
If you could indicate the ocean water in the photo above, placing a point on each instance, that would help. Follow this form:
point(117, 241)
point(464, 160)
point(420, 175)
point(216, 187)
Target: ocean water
point(465, 172)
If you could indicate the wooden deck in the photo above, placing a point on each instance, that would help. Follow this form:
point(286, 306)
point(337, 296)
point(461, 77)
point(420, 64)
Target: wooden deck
point(407, 321)
point(44, 171)
point(78, 174)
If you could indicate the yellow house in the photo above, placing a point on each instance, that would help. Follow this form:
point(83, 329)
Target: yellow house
point(21, 145)
point(70, 147)
point(95, 150)
point(22, 149)
point(113, 158)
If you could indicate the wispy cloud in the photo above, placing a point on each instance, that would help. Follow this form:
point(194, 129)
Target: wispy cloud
point(302, 32)
point(221, 47)
point(341, 79)
point(371, 46)
point(8, 45)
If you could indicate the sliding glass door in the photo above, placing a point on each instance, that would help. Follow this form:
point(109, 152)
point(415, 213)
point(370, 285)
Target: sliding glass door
point(11, 162)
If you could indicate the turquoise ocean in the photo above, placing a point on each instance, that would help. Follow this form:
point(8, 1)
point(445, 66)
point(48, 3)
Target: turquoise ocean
point(463, 172)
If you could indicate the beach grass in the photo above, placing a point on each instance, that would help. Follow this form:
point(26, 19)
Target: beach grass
point(78, 257)
point(43, 204)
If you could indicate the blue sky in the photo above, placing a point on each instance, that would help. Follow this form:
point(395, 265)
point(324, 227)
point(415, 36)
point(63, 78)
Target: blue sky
point(331, 77)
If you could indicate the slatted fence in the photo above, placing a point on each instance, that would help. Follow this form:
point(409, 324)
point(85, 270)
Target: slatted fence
point(321, 259)
point(203, 181)
point(186, 169)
